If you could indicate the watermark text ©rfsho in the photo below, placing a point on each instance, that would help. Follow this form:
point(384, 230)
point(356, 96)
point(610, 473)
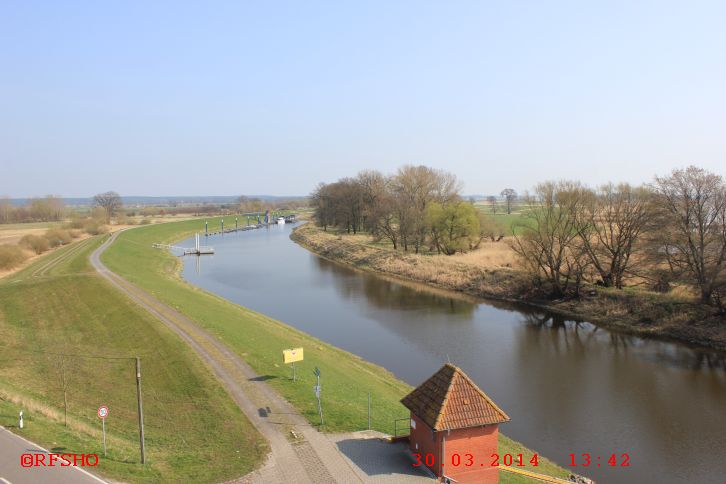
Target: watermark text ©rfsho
point(58, 460)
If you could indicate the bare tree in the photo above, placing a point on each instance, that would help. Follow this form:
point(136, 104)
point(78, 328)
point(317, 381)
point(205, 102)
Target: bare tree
point(609, 223)
point(62, 370)
point(492, 203)
point(546, 242)
point(377, 215)
point(250, 205)
point(109, 201)
point(6, 210)
point(509, 196)
point(692, 216)
point(414, 188)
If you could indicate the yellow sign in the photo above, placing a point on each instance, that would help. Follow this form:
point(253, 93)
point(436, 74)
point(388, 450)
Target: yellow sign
point(292, 355)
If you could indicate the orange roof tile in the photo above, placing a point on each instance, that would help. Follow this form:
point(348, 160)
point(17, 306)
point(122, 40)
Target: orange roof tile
point(450, 400)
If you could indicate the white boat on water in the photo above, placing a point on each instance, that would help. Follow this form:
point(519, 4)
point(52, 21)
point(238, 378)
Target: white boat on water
point(281, 220)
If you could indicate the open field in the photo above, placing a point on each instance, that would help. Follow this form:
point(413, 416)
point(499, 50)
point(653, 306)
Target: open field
point(347, 379)
point(59, 305)
point(12, 233)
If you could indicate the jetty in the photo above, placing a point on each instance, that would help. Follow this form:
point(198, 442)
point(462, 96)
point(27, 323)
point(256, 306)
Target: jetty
point(267, 221)
point(196, 250)
point(199, 249)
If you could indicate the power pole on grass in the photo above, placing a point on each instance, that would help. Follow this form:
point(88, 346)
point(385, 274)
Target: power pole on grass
point(141, 409)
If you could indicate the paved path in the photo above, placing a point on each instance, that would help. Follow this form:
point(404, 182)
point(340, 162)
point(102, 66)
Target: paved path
point(311, 458)
point(13, 446)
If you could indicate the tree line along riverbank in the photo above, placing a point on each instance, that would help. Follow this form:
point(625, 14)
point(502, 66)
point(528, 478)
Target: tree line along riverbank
point(635, 311)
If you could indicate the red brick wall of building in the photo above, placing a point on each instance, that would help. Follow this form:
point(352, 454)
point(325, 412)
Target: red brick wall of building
point(429, 442)
point(481, 443)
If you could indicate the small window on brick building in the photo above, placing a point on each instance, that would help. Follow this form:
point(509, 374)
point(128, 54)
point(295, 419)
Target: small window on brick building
point(413, 424)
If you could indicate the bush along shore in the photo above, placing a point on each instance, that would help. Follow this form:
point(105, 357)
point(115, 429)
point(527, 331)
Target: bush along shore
point(634, 311)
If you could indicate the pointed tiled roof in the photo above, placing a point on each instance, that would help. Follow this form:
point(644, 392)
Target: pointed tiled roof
point(450, 400)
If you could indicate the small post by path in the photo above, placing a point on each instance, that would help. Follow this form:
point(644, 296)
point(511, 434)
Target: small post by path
point(369, 411)
point(141, 410)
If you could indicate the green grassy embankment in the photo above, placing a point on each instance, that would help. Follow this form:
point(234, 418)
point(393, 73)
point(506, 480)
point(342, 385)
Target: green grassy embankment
point(60, 306)
point(346, 378)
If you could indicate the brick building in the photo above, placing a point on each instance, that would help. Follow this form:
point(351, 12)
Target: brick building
point(450, 418)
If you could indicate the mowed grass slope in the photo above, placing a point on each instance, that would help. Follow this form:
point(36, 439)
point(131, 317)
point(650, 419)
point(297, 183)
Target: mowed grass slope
point(60, 306)
point(346, 378)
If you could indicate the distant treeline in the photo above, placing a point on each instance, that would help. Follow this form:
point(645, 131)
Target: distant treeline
point(52, 208)
point(173, 201)
point(48, 209)
point(416, 208)
point(671, 231)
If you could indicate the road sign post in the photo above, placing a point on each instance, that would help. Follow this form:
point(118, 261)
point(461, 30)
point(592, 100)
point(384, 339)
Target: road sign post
point(102, 414)
point(317, 391)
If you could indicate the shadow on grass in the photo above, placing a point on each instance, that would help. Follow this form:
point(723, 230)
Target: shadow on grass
point(263, 378)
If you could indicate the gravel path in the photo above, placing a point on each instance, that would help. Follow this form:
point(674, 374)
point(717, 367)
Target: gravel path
point(311, 458)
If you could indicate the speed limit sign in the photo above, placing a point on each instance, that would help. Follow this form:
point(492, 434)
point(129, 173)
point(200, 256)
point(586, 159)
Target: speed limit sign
point(102, 411)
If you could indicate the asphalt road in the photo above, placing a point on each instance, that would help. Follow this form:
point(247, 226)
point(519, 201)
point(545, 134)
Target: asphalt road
point(13, 446)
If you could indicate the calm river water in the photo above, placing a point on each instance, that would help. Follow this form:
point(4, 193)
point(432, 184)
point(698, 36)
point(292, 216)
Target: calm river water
point(568, 387)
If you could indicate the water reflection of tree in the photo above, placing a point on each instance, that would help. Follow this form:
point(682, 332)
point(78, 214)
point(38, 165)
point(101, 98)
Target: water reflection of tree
point(568, 335)
point(391, 295)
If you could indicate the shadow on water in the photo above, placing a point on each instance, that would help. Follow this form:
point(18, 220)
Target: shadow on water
point(581, 335)
point(389, 294)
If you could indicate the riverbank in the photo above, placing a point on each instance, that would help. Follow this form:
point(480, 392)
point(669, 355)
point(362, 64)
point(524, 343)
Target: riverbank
point(633, 311)
point(258, 339)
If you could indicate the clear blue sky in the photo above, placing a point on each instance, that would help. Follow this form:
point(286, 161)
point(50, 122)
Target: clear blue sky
point(224, 98)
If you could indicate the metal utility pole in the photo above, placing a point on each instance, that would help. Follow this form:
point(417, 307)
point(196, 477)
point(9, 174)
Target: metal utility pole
point(141, 409)
point(317, 394)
